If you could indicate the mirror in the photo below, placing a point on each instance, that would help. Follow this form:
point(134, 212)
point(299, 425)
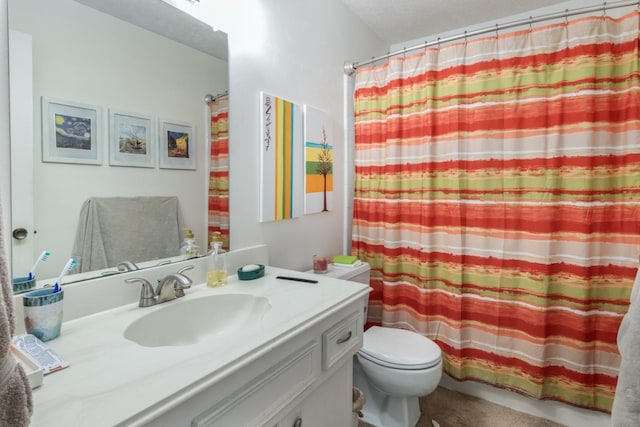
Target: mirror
point(145, 59)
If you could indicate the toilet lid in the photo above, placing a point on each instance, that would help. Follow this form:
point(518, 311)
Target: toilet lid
point(399, 348)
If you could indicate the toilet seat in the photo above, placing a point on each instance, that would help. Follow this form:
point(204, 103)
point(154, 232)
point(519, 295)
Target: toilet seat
point(399, 348)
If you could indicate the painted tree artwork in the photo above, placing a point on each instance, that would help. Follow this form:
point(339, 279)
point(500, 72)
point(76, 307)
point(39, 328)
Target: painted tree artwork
point(318, 152)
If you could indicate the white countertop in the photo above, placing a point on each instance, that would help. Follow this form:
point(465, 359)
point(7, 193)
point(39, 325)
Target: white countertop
point(111, 379)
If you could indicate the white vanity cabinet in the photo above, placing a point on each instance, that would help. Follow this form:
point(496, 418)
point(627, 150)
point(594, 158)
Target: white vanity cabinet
point(304, 381)
point(293, 361)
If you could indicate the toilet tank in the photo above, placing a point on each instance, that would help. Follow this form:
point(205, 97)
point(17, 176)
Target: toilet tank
point(360, 273)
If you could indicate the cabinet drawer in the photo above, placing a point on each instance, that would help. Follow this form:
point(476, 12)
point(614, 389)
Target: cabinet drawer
point(266, 394)
point(340, 339)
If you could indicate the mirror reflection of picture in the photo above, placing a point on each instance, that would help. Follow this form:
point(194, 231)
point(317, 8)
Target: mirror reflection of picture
point(73, 132)
point(178, 144)
point(177, 149)
point(70, 132)
point(131, 140)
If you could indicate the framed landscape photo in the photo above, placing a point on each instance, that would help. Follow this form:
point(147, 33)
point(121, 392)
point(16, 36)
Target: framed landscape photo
point(71, 132)
point(177, 145)
point(131, 140)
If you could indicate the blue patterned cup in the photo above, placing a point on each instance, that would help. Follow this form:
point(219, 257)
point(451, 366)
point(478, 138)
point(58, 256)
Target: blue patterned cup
point(43, 313)
point(23, 284)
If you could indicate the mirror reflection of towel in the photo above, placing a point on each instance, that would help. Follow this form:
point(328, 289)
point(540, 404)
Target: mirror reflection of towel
point(136, 229)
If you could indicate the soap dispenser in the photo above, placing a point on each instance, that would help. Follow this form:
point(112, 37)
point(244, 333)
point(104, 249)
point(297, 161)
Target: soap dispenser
point(189, 247)
point(217, 268)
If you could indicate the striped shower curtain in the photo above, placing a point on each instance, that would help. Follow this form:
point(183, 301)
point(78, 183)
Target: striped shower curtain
point(497, 199)
point(218, 198)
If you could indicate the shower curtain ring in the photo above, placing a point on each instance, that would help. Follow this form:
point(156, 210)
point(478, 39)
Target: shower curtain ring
point(497, 28)
point(465, 37)
point(530, 23)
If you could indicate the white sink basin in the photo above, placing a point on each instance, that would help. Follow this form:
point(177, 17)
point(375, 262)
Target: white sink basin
point(186, 322)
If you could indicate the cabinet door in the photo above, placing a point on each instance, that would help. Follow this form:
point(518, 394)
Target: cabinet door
point(267, 394)
point(328, 405)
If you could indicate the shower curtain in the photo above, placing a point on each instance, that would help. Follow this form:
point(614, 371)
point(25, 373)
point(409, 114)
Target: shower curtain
point(496, 199)
point(218, 198)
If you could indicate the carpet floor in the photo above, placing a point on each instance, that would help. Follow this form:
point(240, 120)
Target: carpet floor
point(447, 408)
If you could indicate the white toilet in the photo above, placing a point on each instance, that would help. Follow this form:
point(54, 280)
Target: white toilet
point(393, 368)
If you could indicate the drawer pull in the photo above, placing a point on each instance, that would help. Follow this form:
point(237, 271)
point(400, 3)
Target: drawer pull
point(344, 339)
point(298, 422)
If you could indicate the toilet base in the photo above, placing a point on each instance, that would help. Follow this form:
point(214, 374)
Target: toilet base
point(382, 410)
point(394, 412)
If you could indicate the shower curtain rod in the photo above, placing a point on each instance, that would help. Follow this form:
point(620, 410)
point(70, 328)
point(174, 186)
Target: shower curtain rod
point(351, 67)
point(208, 98)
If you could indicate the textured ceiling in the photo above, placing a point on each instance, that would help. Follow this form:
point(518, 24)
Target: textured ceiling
point(396, 21)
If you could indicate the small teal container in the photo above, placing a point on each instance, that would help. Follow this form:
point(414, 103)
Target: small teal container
point(251, 274)
point(43, 313)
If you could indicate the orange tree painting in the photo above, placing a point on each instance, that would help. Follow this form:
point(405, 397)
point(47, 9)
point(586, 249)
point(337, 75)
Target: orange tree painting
point(324, 167)
point(318, 162)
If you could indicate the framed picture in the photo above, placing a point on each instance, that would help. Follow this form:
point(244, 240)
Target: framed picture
point(281, 160)
point(131, 140)
point(318, 161)
point(177, 145)
point(71, 132)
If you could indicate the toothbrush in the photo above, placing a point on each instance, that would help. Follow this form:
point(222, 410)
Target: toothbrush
point(68, 267)
point(43, 257)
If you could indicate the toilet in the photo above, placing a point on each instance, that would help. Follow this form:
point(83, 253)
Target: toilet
point(394, 367)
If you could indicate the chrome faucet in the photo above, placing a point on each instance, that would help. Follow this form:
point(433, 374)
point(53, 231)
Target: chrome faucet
point(169, 288)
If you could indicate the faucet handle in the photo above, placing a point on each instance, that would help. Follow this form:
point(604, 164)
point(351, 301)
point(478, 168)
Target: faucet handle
point(181, 285)
point(183, 269)
point(146, 292)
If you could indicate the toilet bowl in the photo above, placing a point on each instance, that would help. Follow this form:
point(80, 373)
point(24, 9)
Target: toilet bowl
point(394, 368)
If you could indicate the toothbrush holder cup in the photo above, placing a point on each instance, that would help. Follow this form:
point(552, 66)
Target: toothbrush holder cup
point(43, 313)
point(23, 284)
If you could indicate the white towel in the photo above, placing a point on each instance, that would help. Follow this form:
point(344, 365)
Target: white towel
point(16, 404)
point(626, 403)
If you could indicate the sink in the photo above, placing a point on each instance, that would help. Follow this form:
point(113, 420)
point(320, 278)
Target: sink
point(187, 322)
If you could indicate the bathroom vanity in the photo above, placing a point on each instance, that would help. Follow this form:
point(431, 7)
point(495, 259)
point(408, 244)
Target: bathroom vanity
point(265, 352)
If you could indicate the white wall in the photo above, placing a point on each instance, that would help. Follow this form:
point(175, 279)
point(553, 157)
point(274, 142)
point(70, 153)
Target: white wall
point(295, 50)
point(152, 75)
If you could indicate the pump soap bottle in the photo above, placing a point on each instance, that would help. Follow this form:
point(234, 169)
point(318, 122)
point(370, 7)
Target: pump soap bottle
point(217, 268)
point(189, 247)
